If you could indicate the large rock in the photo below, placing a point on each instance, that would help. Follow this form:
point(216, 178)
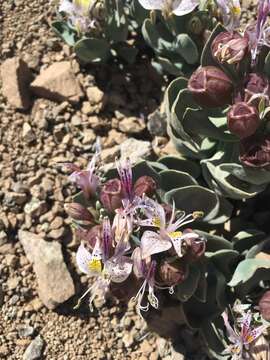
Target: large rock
point(16, 78)
point(55, 284)
point(135, 149)
point(34, 349)
point(58, 83)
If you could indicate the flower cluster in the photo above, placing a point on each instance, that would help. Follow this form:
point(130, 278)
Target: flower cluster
point(130, 234)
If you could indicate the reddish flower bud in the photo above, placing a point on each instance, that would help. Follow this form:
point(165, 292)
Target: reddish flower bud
point(111, 195)
point(174, 273)
point(255, 151)
point(264, 305)
point(194, 247)
point(89, 236)
point(243, 120)
point(229, 47)
point(145, 185)
point(78, 212)
point(256, 88)
point(210, 87)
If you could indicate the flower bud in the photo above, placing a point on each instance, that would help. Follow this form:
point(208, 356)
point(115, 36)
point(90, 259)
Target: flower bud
point(243, 120)
point(210, 87)
point(145, 185)
point(78, 212)
point(111, 195)
point(195, 246)
point(89, 236)
point(256, 88)
point(255, 151)
point(174, 273)
point(264, 305)
point(229, 47)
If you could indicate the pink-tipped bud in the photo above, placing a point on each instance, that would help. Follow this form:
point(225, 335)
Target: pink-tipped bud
point(174, 273)
point(256, 87)
point(230, 47)
point(145, 185)
point(78, 212)
point(264, 305)
point(194, 246)
point(210, 87)
point(243, 120)
point(111, 195)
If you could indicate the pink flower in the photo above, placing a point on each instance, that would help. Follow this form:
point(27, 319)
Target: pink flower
point(168, 234)
point(241, 339)
point(106, 263)
point(86, 180)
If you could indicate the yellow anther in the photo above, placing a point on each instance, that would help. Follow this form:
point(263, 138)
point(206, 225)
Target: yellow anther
point(175, 234)
point(198, 214)
point(156, 222)
point(95, 265)
point(236, 10)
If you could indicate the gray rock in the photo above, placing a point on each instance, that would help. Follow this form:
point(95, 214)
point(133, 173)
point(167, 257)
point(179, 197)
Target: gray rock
point(55, 284)
point(26, 331)
point(34, 349)
point(35, 207)
point(157, 123)
point(58, 83)
point(135, 149)
point(132, 125)
point(16, 78)
point(28, 134)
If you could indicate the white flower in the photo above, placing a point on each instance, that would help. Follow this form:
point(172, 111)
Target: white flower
point(177, 7)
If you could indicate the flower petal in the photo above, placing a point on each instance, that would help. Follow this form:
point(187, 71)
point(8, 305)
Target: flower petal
point(67, 7)
point(183, 7)
point(254, 334)
point(119, 268)
point(83, 258)
point(152, 4)
point(152, 243)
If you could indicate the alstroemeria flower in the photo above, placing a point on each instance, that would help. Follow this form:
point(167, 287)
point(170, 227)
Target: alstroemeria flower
point(230, 12)
point(176, 7)
point(168, 234)
point(86, 180)
point(106, 263)
point(241, 339)
point(78, 12)
point(145, 270)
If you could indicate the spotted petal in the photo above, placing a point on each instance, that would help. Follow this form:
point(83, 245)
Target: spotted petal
point(183, 7)
point(152, 243)
point(254, 334)
point(119, 268)
point(83, 258)
point(152, 4)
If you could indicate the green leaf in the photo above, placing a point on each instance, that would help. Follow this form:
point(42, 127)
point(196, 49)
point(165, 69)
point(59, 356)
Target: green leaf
point(250, 269)
point(62, 29)
point(181, 164)
point(172, 179)
point(92, 50)
point(214, 242)
point(186, 289)
point(223, 260)
point(267, 65)
point(206, 57)
point(195, 198)
point(244, 240)
point(186, 47)
point(127, 53)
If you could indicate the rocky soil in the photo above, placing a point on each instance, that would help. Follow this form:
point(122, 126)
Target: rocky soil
point(52, 111)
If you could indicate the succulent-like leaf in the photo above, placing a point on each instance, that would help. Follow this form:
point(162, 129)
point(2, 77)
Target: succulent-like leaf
point(214, 242)
point(186, 47)
point(195, 198)
point(172, 179)
point(92, 50)
point(223, 260)
point(181, 164)
point(62, 29)
point(186, 289)
point(244, 240)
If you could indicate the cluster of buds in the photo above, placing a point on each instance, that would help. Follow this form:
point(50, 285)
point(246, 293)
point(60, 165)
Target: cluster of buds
point(130, 236)
point(247, 97)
